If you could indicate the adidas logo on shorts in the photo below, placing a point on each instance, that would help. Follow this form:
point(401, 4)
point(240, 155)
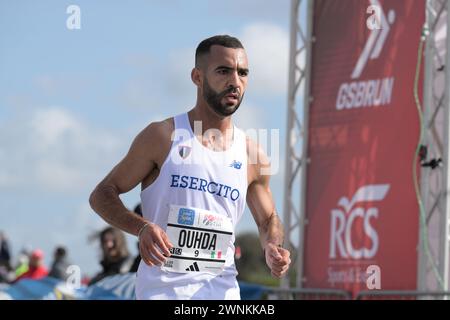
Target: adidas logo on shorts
point(193, 267)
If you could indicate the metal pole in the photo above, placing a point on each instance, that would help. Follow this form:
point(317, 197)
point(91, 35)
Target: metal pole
point(425, 181)
point(287, 204)
point(445, 199)
point(303, 170)
point(297, 130)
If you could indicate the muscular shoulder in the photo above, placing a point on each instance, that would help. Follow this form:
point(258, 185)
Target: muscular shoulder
point(258, 162)
point(157, 131)
point(154, 141)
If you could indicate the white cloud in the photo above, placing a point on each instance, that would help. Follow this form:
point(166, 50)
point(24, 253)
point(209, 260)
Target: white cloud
point(267, 47)
point(49, 126)
point(51, 149)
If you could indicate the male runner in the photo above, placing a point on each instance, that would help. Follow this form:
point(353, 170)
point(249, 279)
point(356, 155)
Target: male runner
point(197, 171)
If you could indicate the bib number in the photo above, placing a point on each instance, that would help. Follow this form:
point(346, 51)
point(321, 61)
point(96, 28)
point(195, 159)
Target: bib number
point(200, 240)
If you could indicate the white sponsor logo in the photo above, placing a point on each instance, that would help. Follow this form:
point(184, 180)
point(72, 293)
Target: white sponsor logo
point(365, 93)
point(212, 221)
point(374, 92)
point(342, 221)
point(371, 276)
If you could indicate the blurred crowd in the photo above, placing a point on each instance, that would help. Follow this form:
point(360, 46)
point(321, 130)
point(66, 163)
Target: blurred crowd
point(29, 264)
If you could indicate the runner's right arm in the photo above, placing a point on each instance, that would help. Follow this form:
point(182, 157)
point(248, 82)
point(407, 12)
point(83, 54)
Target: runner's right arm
point(142, 158)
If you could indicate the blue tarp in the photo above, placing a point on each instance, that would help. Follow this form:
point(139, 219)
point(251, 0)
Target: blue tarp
point(118, 287)
point(43, 289)
point(251, 291)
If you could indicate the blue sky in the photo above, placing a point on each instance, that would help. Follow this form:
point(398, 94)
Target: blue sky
point(71, 101)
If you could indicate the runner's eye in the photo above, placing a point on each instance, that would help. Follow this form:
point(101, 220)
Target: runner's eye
point(243, 73)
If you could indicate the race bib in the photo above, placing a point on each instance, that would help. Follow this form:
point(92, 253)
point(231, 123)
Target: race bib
point(200, 240)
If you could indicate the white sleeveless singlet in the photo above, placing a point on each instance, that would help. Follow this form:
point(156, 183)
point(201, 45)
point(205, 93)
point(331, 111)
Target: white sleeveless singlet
point(198, 198)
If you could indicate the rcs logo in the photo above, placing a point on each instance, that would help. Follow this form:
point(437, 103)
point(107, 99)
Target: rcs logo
point(342, 223)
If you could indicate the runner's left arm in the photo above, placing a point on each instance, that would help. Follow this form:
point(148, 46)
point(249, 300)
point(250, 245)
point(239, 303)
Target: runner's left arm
point(262, 207)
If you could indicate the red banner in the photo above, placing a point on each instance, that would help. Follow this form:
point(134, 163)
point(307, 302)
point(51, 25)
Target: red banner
point(361, 207)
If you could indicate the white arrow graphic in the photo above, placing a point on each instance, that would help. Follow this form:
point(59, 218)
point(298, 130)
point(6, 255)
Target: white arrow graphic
point(373, 47)
point(373, 192)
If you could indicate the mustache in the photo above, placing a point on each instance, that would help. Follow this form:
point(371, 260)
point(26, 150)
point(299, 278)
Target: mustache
point(230, 90)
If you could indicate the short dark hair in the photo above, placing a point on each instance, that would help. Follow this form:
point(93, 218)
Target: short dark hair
point(221, 40)
point(60, 252)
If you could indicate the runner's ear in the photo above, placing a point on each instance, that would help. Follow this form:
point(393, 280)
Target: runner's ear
point(196, 77)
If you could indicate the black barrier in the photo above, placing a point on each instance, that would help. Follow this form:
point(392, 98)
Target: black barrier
point(306, 294)
point(336, 294)
point(402, 295)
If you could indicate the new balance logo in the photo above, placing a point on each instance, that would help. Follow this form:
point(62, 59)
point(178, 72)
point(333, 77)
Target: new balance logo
point(193, 267)
point(236, 164)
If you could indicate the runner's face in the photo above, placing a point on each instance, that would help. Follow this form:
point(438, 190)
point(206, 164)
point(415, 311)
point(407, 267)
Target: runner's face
point(225, 80)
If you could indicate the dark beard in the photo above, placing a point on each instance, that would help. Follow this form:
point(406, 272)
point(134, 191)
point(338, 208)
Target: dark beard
point(213, 99)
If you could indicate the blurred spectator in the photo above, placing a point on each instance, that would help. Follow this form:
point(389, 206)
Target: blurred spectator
point(22, 261)
point(137, 260)
point(36, 268)
point(116, 258)
point(4, 275)
point(60, 264)
point(5, 256)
